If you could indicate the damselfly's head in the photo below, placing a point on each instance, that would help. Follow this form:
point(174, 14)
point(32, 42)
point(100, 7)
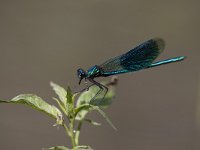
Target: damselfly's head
point(81, 74)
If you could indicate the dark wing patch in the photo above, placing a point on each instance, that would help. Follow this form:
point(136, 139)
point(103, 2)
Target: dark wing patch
point(138, 58)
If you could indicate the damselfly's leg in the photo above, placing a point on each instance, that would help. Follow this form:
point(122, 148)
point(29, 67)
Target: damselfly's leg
point(106, 90)
point(85, 89)
point(101, 88)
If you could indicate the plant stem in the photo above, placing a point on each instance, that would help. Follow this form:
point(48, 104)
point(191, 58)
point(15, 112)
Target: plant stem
point(72, 134)
point(78, 132)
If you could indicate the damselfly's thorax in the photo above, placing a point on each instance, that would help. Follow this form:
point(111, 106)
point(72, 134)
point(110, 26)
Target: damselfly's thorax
point(94, 71)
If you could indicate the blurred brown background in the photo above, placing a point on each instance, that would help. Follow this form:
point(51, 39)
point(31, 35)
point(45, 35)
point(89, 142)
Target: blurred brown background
point(47, 40)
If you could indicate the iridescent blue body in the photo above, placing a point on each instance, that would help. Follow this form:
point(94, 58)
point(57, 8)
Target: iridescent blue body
point(140, 57)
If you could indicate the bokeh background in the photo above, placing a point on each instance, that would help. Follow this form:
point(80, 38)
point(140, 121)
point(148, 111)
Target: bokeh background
point(47, 40)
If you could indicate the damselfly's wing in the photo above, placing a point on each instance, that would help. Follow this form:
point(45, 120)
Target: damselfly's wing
point(138, 58)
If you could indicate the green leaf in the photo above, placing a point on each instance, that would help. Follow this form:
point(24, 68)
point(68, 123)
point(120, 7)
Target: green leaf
point(81, 111)
point(104, 115)
point(69, 95)
point(61, 106)
point(84, 109)
point(92, 122)
point(82, 147)
point(70, 102)
point(57, 148)
point(61, 92)
point(38, 104)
